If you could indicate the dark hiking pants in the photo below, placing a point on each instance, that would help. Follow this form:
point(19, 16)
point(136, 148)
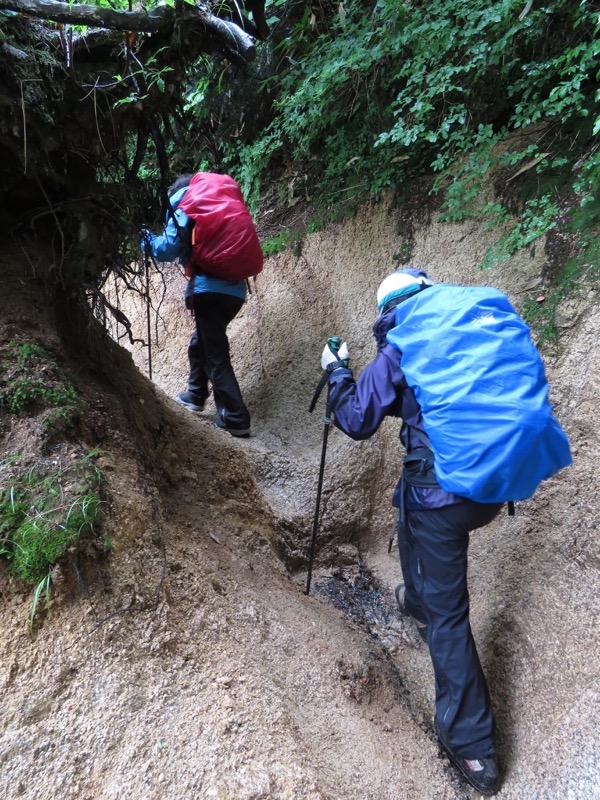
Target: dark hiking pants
point(209, 357)
point(433, 548)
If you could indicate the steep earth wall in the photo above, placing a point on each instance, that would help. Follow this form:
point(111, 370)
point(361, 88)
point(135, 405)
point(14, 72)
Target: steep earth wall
point(531, 576)
point(234, 684)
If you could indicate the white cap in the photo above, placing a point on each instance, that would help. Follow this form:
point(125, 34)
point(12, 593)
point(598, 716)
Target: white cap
point(399, 283)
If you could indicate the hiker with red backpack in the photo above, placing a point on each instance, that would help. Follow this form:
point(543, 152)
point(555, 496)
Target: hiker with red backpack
point(458, 366)
point(210, 230)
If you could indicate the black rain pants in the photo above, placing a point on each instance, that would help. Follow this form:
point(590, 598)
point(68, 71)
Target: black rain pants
point(209, 356)
point(433, 547)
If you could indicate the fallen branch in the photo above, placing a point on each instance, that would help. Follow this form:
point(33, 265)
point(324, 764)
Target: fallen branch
point(157, 19)
point(93, 16)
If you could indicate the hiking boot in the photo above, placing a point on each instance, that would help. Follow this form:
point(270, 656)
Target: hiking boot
point(481, 773)
point(188, 400)
point(421, 626)
point(241, 433)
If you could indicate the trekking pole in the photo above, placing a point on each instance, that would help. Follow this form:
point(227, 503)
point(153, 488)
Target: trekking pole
point(334, 343)
point(148, 326)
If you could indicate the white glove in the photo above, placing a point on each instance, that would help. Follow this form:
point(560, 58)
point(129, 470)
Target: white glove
point(333, 359)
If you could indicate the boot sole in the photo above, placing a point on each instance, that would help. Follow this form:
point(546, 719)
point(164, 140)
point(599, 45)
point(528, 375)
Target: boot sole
point(194, 409)
point(487, 791)
point(243, 433)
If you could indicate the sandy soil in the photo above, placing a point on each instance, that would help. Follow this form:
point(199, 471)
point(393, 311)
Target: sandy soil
point(189, 663)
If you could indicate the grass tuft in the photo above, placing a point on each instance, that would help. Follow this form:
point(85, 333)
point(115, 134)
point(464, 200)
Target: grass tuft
point(46, 507)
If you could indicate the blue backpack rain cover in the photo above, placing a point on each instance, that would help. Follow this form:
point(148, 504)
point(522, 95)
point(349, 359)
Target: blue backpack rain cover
point(482, 388)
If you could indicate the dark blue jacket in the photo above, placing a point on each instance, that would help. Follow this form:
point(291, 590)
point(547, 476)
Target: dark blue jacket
point(359, 407)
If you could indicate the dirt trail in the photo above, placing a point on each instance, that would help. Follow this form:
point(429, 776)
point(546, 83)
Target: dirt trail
point(190, 664)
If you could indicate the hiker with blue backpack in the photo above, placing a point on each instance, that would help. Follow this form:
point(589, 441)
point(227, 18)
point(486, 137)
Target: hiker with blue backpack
point(458, 366)
point(210, 230)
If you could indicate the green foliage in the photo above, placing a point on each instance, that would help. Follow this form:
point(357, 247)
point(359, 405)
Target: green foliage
point(43, 587)
point(147, 79)
point(252, 161)
point(32, 380)
point(366, 95)
point(462, 181)
point(538, 218)
point(25, 391)
point(496, 103)
point(283, 241)
point(584, 270)
point(45, 508)
point(587, 181)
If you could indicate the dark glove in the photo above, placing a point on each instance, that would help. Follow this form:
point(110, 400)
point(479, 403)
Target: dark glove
point(146, 239)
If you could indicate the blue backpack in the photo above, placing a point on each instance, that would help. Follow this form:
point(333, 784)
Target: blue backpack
point(482, 388)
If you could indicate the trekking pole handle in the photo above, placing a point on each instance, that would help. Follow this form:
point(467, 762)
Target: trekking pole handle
point(334, 344)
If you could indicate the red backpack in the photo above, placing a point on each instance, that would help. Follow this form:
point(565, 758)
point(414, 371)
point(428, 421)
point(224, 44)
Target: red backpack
point(224, 240)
